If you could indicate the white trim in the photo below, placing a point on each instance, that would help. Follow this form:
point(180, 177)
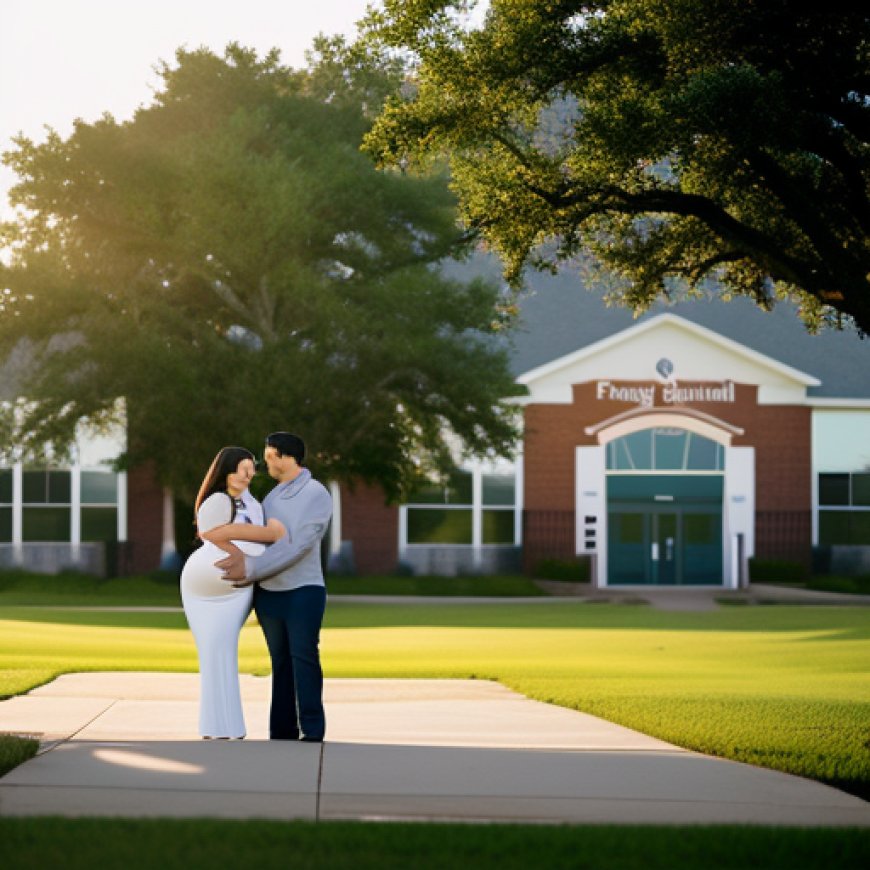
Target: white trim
point(75, 498)
point(476, 507)
point(738, 511)
point(335, 526)
point(702, 332)
point(819, 402)
point(658, 472)
point(122, 506)
point(18, 512)
point(590, 499)
point(708, 428)
point(435, 506)
point(519, 497)
point(403, 529)
point(476, 516)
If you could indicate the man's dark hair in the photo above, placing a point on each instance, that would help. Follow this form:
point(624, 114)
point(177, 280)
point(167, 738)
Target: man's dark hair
point(287, 445)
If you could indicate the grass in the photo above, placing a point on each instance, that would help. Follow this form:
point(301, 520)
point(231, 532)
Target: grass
point(186, 844)
point(496, 586)
point(782, 687)
point(15, 750)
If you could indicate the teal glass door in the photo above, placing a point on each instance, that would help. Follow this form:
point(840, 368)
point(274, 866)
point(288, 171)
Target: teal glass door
point(628, 547)
point(665, 490)
point(664, 546)
point(664, 553)
point(702, 547)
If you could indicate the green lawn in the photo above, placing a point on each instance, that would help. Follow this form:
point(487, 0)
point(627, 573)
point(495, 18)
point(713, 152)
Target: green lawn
point(783, 687)
point(14, 750)
point(167, 844)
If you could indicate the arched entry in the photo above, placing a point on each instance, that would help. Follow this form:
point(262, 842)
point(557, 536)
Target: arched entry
point(666, 501)
point(664, 505)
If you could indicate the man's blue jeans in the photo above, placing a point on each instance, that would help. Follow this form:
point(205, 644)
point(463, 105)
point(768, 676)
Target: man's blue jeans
point(291, 623)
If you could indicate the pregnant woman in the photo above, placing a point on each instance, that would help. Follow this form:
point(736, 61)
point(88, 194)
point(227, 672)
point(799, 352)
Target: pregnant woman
point(227, 515)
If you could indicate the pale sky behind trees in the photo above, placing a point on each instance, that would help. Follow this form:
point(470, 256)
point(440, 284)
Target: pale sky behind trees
point(67, 59)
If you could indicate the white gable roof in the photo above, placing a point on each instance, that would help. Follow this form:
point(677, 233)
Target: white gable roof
point(694, 352)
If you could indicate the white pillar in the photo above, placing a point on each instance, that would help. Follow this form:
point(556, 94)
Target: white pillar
point(122, 506)
point(75, 531)
point(403, 531)
point(168, 553)
point(519, 499)
point(591, 502)
point(17, 513)
point(477, 516)
point(335, 529)
point(738, 514)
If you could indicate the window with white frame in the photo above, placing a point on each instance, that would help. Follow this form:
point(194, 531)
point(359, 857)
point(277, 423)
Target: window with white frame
point(6, 505)
point(99, 505)
point(499, 495)
point(665, 449)
point(442, 513)
point(47, 504)
point(844, 508)
point(446, 513)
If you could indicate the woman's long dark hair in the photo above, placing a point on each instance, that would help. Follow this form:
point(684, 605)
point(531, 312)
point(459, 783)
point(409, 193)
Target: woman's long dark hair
point(225, 463)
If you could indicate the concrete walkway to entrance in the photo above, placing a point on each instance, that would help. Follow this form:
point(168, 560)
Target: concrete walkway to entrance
point(124, 744)
point(698, 597)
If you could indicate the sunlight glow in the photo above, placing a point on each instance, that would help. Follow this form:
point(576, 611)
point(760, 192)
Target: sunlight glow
point(140, 761)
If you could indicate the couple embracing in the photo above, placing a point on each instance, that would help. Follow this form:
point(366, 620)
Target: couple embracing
point(266, 557)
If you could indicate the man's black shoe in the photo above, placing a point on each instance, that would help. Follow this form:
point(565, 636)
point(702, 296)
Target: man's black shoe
point(307, 739)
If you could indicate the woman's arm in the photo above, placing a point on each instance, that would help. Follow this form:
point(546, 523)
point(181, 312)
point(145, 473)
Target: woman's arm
point(268, 534)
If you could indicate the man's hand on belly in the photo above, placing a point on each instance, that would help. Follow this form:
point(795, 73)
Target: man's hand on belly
point(233, 567)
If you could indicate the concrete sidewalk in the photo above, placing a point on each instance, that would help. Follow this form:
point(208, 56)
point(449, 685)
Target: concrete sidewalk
point(122, 744)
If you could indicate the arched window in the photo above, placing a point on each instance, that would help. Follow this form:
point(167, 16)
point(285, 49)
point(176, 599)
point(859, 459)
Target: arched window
point(665, 449)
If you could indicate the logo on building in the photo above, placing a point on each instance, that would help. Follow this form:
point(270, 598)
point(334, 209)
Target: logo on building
point(665, 367)
point(670, 393)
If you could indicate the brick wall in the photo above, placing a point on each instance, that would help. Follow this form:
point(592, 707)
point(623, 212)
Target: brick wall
point(144, 522)
point(373, 527)
point(780, 435)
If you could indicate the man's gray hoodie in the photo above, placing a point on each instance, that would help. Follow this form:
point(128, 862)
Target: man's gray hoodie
point(304, 506)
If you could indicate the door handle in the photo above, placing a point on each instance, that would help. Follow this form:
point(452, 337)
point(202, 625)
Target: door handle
point(654, 555)
point(669, 549)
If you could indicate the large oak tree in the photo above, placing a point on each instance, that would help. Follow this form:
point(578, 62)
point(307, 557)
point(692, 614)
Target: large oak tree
point(679, 141)
point(230, 263)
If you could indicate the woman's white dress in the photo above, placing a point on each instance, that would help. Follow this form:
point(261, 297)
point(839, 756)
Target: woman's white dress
point(216, 612)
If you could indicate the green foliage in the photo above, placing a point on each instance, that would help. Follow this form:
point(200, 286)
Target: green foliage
point(777, 571)
point(675, 142)
point(560, 569)
point(14, 750)
point(161, 588)
point(230, 264)
point(858, 585)
point(189, 844)
point(496, 586)
point(75, 590)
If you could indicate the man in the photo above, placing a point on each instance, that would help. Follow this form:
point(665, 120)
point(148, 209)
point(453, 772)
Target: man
point(290, 596)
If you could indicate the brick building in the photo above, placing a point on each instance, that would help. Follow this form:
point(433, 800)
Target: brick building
point(663, 450)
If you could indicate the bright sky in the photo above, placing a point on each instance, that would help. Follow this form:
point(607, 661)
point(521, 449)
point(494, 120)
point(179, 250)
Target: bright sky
point(67, 59)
